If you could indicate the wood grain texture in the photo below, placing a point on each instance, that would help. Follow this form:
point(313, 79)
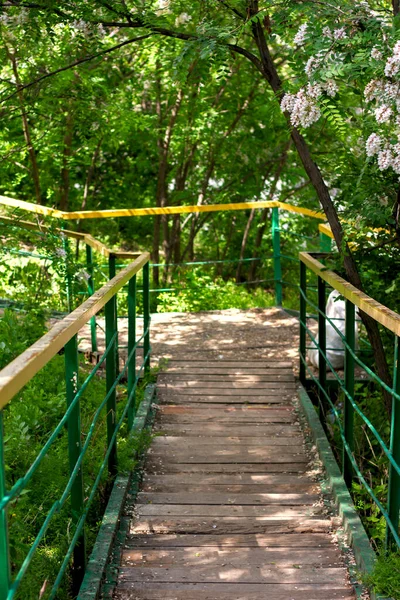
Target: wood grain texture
point(227, 508)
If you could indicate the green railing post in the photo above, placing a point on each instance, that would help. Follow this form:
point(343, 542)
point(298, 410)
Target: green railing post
point(349, 364)
point(4, 546)
point(90, 285)
point(68, 277)
point(131, 345)
point(111, 375)
point(146, 316)
point(325, 242)
point(74, 451)
point(322, 348)
point(276, 245)
point(303, 321)
point(112, 271)
point(394, 477)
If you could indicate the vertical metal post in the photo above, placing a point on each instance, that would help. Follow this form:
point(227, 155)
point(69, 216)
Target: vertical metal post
point(394, 477)
point(276, 245)
point(349, 364)
point(303, 321)
point(4, 545)
point(90, 285)
point(146, 317)
point(74, 451)
point(112, 270)
point(322, 348)
point(111, 375)
point(131, 346)
point(325, 242)
point(68, 277)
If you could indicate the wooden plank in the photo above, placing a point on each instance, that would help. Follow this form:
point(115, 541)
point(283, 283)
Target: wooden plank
point(188, 379)
point(229, 364)
point(235, 557)
point(210, 510)
point(230, 499)
point(278, 374)
point(226, 573)
point(243, 480)
point(226, 386)
point(179, 441)
point(258, 540)
point(213, 374)
point(230, 450)
point(226, 591)
point(228, 429)
point(158, 465)
point(185, 397)
point(204, 488)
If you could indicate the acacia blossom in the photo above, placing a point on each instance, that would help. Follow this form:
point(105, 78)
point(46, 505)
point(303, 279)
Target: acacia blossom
point(373, 144)
point(300, 36)
point(302, 108)
point(385, 159)
point(383, 113)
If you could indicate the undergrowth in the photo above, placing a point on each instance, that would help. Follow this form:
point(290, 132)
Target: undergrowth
point(28, 421)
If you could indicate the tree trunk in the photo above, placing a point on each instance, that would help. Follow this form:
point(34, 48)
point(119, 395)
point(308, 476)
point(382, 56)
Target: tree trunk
point(313, 172)
point(25, 127)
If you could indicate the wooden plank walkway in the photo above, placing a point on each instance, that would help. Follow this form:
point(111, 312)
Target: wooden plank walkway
point(227, 509)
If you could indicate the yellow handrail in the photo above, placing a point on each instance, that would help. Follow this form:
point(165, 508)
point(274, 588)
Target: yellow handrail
point(17, 373)
point(166, 210)
point(385, 316)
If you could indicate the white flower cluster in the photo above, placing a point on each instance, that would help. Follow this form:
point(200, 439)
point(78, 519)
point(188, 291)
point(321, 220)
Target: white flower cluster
point(182, 19)
point(303, 107)
point(385, 93)
point(336, 34)
point(392, 66)
point(301, 35)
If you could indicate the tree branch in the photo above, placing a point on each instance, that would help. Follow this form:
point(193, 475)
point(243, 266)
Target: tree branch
point(77, 63)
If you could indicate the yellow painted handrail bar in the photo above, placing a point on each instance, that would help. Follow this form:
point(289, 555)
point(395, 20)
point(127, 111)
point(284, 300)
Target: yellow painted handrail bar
point(85, 237)
point(383, 315)
point(166, 210)
point(17, 373)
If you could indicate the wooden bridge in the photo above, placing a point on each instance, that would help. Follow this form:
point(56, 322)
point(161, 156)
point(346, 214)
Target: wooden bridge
point(228, 506)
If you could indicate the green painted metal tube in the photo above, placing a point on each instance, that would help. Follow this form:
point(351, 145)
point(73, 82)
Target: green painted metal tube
point(394, 477)
point(131, 349)
point(322, 348)
point(146, 316)
point(276, 245)
point(112, 271)
point(111, 374)
point(349, 366)
point(68, 278)
point(325, 242)
point(4, 546)
point(74, 451)
point(90, 285)
point(303, 319)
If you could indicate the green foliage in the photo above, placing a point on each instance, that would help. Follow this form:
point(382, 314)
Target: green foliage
point(203, 292)
point(385, 578)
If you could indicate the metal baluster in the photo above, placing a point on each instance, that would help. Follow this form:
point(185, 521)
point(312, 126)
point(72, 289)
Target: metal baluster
point(322, 349)
point(349, 365)
point(394, 477)
point(303, 321)
point(131, 345)
point(146, 316)
point(90, 286)
point(74, 451)
point(112, 270)
point(276, 245)
point(4, 545)
point(111, 375)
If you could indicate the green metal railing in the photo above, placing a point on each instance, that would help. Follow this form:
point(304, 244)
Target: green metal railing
point(346, 421)
point(24, 368)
